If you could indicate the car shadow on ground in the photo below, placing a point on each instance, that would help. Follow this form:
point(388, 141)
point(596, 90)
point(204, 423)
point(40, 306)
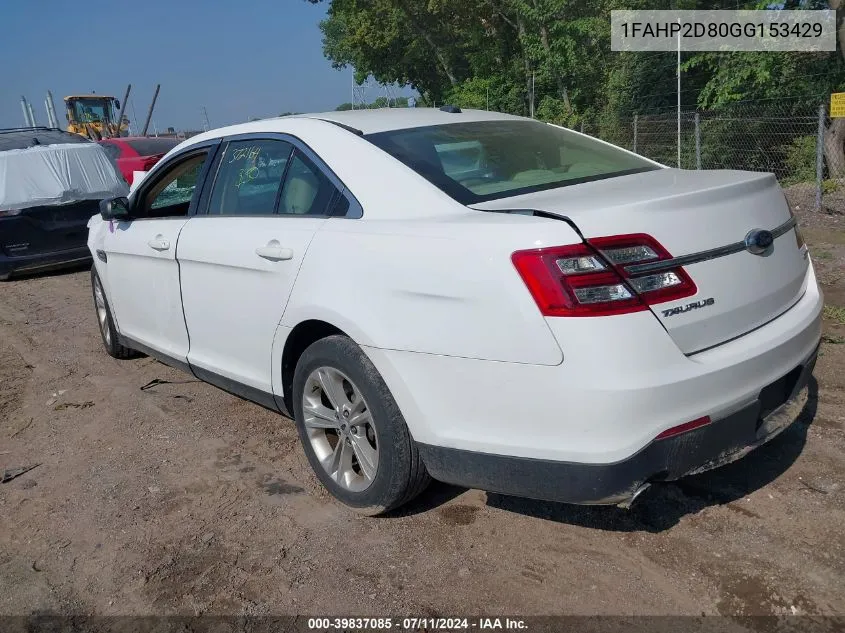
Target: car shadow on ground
point(435, 496)
point(663, 505)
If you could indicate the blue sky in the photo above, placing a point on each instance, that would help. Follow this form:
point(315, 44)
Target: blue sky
point(238, 58)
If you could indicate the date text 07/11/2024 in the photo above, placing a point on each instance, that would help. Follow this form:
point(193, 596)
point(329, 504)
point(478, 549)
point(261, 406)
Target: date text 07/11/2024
point(416, 624)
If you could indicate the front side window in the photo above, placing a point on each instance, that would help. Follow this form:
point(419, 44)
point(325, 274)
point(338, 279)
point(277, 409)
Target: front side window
point(249, 177)
point(171, 194)
point(486, 160)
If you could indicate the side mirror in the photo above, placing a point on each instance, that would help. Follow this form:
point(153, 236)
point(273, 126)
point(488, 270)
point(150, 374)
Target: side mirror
point(117, 104)
point(114, 209)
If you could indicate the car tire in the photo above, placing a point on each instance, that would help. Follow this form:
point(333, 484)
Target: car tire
point(108, 332)
point(399, 474)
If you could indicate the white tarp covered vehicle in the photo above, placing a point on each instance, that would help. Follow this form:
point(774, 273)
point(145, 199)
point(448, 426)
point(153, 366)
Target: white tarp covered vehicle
point(57, 174)
point(51, 183)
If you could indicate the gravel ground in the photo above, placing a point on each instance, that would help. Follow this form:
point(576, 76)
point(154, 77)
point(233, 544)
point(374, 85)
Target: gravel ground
point(182, 499)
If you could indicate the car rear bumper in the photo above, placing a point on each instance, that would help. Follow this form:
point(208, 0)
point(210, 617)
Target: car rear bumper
point(621, 384)
point(720, 442)
point(42, 262)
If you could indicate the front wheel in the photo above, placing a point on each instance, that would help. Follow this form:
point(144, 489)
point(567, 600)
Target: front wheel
point(353, 433)
point(108, 332)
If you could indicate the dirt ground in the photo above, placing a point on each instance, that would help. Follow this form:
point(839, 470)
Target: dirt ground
point(178, 498)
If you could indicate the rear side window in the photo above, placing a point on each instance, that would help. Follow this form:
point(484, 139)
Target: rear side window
point(152, 146)
point(307, 191)
point(486, 160)
point(249, 177)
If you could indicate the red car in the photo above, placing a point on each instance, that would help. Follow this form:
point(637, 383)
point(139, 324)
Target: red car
point(137, 153)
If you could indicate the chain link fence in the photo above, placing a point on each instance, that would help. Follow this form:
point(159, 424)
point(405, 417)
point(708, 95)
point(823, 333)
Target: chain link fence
point(801, 145)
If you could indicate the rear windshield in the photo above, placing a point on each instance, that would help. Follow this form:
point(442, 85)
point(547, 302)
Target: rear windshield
point(487, 160)
point(152, 146)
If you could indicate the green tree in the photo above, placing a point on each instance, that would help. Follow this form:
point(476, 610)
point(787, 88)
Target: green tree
point(506, 53)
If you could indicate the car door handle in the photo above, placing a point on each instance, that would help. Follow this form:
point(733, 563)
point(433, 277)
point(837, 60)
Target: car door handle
point(274, 253)
point(159, 244)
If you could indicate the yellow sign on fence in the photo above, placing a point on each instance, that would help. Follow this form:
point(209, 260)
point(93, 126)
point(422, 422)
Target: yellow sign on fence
point(837, 105)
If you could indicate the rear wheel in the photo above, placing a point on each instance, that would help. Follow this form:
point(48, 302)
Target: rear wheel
point(105, 321)
point(353, 433)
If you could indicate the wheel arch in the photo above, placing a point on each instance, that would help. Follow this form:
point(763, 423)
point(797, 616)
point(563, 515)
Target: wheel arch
point(300, 338)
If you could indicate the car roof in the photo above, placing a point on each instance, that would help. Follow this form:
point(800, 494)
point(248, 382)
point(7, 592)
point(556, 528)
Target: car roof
point(387, 119)
point(23, 137)
point(361, 121)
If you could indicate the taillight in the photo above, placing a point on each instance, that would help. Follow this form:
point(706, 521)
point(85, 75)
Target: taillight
point(626, 251)
point(574, 281)
point(592, 280)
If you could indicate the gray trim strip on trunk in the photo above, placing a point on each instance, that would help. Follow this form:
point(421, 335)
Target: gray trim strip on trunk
point(702, 256)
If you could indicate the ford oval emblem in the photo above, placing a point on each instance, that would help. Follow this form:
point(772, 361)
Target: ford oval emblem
point(759, 241)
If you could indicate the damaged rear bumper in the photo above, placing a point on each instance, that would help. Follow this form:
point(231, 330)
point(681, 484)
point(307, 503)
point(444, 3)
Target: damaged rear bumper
point(722, 441)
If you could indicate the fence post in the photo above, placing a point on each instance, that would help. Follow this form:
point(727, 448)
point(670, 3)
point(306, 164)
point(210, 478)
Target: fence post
point(636, 118)
point(697, 141)
point(820, 158)
point(582, 126)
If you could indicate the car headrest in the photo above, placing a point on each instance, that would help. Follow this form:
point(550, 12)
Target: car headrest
point(300, 192)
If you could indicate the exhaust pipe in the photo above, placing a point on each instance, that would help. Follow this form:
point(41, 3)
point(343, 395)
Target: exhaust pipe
point(627, 503)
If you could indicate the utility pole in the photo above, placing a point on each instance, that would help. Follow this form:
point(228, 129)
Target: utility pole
point(51, 107)
point(25, 109)
point(150, 112)
point(531, 102)
point(122, 110)
point(679, 95)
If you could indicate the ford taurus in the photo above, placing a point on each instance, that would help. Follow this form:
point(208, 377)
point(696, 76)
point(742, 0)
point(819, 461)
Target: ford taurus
point(474, 297)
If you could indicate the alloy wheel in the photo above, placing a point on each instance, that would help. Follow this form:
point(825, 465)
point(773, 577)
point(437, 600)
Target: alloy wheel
point(102, 311)
point(340, 428)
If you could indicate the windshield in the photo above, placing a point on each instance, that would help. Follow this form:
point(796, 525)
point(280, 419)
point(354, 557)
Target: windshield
point(92, 110)
point(486, 160)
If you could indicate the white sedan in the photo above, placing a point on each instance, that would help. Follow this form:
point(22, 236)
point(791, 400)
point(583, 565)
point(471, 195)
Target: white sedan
point(480, 298)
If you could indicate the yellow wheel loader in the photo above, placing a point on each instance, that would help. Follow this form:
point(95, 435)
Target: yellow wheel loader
point(94, 116)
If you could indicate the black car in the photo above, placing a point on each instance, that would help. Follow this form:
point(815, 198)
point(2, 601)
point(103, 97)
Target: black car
point(51, 183)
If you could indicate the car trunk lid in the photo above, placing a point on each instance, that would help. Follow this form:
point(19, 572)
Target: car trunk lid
point(702, 218)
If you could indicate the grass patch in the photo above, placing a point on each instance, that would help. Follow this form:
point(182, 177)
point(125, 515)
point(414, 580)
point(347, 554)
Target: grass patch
point(822, 256)
point(835, 314)
point(823, 236)
point(833, 340)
